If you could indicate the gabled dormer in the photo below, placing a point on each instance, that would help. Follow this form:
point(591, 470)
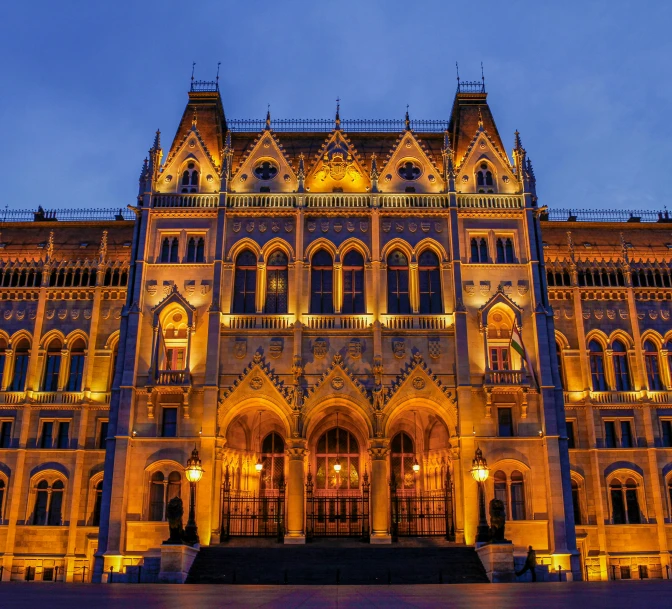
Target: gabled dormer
point(265, 167)
point(337, 167)
point(410, 169)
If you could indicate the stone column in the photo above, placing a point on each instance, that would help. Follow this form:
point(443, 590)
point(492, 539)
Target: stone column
point(380, 508)
point(295, 509)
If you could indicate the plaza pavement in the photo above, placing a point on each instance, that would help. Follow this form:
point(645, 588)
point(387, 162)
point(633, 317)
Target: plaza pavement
point(608, 595)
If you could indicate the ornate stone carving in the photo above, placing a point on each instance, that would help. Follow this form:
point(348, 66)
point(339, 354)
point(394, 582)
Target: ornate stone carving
point(355, 348)
point(319, 348)
point(338, 382)
point(275, 348)
point(240, 348)
point(434, 348)
point(398, 348)
point(256, 382)
point(418, 383)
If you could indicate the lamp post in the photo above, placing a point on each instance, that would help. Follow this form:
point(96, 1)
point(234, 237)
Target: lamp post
point(194, 472)
point(480, 473)
point(416, 465)
point(259, 465)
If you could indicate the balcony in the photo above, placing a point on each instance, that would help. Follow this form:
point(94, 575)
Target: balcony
point(342, 200)
point(489, 201)
point(338, 322)
point(261, 200)
point(505, 378)
point(12, 397)
point(257, 322)
point(615, 397)
point(173, 378)
point(417, 322)
point(58, 397)
point(416, 201)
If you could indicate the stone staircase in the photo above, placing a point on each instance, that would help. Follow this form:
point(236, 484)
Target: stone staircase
point(327, 561)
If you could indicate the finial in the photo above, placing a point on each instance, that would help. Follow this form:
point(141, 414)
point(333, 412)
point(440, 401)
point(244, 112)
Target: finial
point(446, 141)
point(219, 63)
point(301, 174)
point(193, 67)
point(407, 120)
point(374, 173)
point(517, 143)
point(157, 140)
point(338, 112)
point(194, 119)
point(457, 69)
point(480, 120)
point(268, 117)
point(482, 76)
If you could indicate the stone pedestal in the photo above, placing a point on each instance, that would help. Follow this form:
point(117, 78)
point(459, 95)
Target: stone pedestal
point(497, 558)
point(176, 560)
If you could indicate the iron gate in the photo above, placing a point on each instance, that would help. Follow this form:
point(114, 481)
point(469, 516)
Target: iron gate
point(422, 514)
point(337, 513)
point(249, 514)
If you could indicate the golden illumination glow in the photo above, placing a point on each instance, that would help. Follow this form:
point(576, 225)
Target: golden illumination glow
point(194, 469)
point(416, 466)
point(259, 466)
point(337, 466)
point(479, 467)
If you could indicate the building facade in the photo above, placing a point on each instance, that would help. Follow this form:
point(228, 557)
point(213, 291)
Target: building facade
point(336, 314)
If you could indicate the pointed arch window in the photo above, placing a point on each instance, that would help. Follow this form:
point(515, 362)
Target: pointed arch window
point(479, 250)
point(337, 444)
point(353, 283)
point(277, 283)
point(190, 178)
point(169, 252)
point(430, 283)
point(505, 250)
point(76, 373)
point(621, 371)
point(485, 179)
point(273, 462)
point(596, 356)
point(21, 359)
point(398, 297)
point(321, 283)
point(576, 502)
point(3, 358)
point(52, 366)
point(196, 249)
point(2, 499)
point(245, 283)
point(652, 367)
point(402, 457)
point(558, 355)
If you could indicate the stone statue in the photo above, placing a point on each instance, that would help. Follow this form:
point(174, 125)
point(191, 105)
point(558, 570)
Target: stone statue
point(174, 512)
point(497, 521)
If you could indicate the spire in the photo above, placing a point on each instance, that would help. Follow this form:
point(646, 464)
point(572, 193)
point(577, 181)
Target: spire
point(374, 173)
point(448, 162)
point(154, 164)
point(50, 246)
point(102, 250)
point(338, 114)
point(519, 158)
point(517, 144)
point(194, 119)
point(301, 174)
point(529, 171)
point(144, 176)
point(407, 120)
point(227, 157)
point(268, 118)
point(157, 140)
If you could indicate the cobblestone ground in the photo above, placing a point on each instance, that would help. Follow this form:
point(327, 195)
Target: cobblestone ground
point(611, 595)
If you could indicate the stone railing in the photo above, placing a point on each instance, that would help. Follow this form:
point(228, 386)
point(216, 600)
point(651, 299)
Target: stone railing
point(184, 200)
point(337, 199)
point(660, 397)
point(173, 377)
point(406, 200)
point(489, 201)
point(251, 322)
point(12, 397)
point(264, 200)
point(337, 322)
point(614, 397)
point(416, 322)
point(57, 397)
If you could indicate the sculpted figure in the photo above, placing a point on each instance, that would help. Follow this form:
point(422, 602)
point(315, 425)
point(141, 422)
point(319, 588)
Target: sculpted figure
point(174, 512)
point(497, 521)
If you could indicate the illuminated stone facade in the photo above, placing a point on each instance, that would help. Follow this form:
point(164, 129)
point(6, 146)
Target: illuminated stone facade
point(304, 296)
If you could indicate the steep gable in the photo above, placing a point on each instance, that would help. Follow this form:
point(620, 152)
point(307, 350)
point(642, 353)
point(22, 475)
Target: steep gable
point(265, 165)
point(337, 167)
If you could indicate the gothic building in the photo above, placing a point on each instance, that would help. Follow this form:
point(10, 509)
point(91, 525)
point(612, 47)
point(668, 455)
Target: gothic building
point(337, 315)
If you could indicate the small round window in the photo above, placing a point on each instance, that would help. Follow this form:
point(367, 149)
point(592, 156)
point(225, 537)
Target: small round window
point(265, 170)
point(409, 169)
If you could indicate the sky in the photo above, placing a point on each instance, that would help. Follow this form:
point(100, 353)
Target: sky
point(86, 84)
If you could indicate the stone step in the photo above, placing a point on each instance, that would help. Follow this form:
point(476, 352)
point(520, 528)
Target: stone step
point(333, 563)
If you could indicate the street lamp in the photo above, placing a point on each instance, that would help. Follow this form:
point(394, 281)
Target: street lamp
point(194, 472)
point(259, 465)
point(480, 473)
point(416, 465)
point(337, 464)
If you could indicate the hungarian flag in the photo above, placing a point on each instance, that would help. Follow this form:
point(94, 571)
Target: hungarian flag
point(517, 346)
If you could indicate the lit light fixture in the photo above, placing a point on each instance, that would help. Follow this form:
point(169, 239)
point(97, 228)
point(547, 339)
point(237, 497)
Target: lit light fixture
point(416, 465)
point(479, 467)
point(337, 465)
point(259, 465)
point(480, 473)
point(193, 472)
point(194, 469)
point(135, 433)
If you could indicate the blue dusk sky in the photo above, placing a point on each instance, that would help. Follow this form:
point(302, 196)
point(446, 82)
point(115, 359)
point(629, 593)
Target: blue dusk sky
point(86, 84)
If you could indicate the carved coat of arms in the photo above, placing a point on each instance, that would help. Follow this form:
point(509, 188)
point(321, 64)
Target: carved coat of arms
point(275, 227)
point(275, 348)
point(398, 347)
point(355, 348)
point(289, 227)
point(386, 225)
point(312, 225)
point(239, 348)
point(364, 226)
point(249, 227)
point(263, 227)
point(320, 348)
point(337, 166)
point(338, 226)
point(324, 225)
point(237, 226)
point(350, 225)
point(434, 348)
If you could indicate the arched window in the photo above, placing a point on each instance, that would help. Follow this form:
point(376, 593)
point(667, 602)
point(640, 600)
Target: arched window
point(3, 355)
point(273, 461)
point(48, 503)
point(52, 366)
point(2, 499)
point(190, 177)
point(321, 283)
point(484, 178)
point(621, 372)
point(479, 250)
point(200, 250)
point(191, 249)
point(652, 368)
point(430, 283)
point(505, 250)
point(402, 457)
point(340, 445)
point(624, 502)
point(353, 283)
point(76, 366)
point(161, 490)
point(196, 249)
point(511, 491)
point(21, 358)
point(398, 299)
point(576, 502)
point(97, 503)
point(596, 356)
point(277, 280)
point(169, 252)
point(669, 492)
point(245, 283)
point(558, 355)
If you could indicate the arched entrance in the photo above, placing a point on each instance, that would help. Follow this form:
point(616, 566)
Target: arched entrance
point(337, 497)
